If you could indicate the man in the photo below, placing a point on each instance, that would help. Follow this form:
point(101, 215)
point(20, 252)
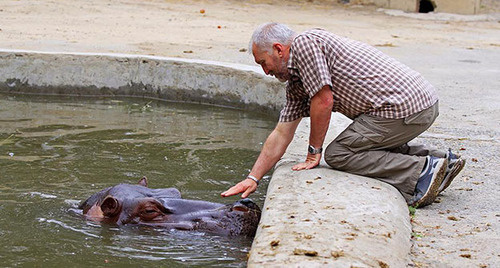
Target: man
point(389, 103)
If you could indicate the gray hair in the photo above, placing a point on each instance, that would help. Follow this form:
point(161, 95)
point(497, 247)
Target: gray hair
point(272, 32)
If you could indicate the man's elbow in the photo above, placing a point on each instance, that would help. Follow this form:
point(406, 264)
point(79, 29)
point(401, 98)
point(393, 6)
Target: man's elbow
point(323, 99)
point(324, 103)
point(327, 103)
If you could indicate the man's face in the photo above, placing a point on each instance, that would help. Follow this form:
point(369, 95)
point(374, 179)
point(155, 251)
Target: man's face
point(272, 64)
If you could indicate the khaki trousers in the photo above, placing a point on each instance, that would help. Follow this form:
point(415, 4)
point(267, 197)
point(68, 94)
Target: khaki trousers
point(378, 148)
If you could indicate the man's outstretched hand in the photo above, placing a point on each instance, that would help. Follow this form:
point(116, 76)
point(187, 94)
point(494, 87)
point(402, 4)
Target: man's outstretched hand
point(246, 186)
point(312, 161)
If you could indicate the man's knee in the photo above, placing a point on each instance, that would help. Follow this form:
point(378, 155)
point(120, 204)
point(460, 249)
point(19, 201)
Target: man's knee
point(337, 155)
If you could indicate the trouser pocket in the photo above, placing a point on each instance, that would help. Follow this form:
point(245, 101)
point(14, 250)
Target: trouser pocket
point(361, 135)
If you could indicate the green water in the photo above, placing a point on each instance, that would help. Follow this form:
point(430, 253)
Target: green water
point(55, 152)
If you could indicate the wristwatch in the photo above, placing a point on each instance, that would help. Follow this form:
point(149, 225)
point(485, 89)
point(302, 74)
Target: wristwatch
point(313, 150)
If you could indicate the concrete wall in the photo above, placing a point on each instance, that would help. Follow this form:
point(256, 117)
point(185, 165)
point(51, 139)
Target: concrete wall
point(319, 217)
point(466, 7)
point(131, 75)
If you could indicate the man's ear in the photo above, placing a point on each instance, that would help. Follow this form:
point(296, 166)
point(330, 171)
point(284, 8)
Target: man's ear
point(279, 48)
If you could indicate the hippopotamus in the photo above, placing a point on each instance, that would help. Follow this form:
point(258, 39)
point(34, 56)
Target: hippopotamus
point(137, 204)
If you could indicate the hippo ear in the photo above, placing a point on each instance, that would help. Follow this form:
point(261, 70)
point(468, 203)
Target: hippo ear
point(110, 206)
point(143, 181)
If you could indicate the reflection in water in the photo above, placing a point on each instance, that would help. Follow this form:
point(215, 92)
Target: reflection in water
point(55, 152)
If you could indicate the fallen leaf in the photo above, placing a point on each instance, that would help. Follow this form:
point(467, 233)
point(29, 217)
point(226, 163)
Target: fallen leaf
point(385, 45)
point(202, 11)
point(465, 256)
point(383, 264)
point(474, 159)
point(337, 254)
point(243, 50)
point(274, 243)
point(465, 189)
point(452, 218)
point(307, 252)
point(187, 51)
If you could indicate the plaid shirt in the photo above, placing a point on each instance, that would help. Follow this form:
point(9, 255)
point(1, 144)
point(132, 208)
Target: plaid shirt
point(363, 79)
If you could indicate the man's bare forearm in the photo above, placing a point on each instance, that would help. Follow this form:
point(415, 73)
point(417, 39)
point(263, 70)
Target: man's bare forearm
point(321, 111)
point(274, 148)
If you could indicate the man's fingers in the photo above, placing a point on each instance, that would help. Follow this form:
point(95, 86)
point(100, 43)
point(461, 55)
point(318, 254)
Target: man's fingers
point(298, 167)
point(311, 165)
point(245, 187)
point(301, 166)
point(305, 165)
point(246, 193)
point(232, 191)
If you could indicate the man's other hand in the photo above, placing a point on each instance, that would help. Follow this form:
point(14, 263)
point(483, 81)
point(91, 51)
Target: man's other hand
point(246, 186)
point(312, 161)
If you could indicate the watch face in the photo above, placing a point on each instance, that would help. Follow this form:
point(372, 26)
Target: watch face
point(310, 149)
point(313, 150)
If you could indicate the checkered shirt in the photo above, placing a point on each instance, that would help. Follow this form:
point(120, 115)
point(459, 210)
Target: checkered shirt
point(363, 79)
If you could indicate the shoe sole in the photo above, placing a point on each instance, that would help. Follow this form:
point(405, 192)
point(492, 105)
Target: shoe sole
point(459, 165)
point(433, 192)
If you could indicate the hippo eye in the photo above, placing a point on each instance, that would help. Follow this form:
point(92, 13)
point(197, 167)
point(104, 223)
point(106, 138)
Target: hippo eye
point(149, 214)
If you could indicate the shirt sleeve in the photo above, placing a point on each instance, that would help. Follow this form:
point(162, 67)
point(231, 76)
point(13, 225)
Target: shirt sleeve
point(296, 107)
point(312, 64)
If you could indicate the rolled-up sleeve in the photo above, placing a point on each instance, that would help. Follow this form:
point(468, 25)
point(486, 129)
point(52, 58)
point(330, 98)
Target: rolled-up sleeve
point(296, 106)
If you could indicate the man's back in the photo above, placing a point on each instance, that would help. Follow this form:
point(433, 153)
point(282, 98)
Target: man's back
point(364, 80)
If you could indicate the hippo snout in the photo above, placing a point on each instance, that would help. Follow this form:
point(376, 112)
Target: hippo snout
point(245, 205)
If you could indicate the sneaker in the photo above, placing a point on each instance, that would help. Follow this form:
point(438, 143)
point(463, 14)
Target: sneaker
point(455, 165)
point(429, 181)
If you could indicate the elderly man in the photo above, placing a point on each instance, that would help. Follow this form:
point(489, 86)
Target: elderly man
point(389, 103)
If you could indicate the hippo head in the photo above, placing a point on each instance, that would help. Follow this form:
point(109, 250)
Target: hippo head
point(138, 204)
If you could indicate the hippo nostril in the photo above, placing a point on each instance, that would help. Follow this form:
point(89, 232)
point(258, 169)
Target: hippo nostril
point(239, 207)
point(244, 205)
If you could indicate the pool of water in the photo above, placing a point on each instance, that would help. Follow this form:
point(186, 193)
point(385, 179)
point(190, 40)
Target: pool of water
point(55, 152)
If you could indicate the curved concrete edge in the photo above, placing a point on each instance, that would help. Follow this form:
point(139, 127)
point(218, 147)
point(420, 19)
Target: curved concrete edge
point(324, 217)
point(224, 84)
point(314, 218)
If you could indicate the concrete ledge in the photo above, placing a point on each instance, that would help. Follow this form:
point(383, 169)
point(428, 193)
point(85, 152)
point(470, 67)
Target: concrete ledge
point(310, 218)
point(172, 79)
point(324, 217)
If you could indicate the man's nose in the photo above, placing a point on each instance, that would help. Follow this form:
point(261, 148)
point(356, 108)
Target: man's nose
point(266, 71)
